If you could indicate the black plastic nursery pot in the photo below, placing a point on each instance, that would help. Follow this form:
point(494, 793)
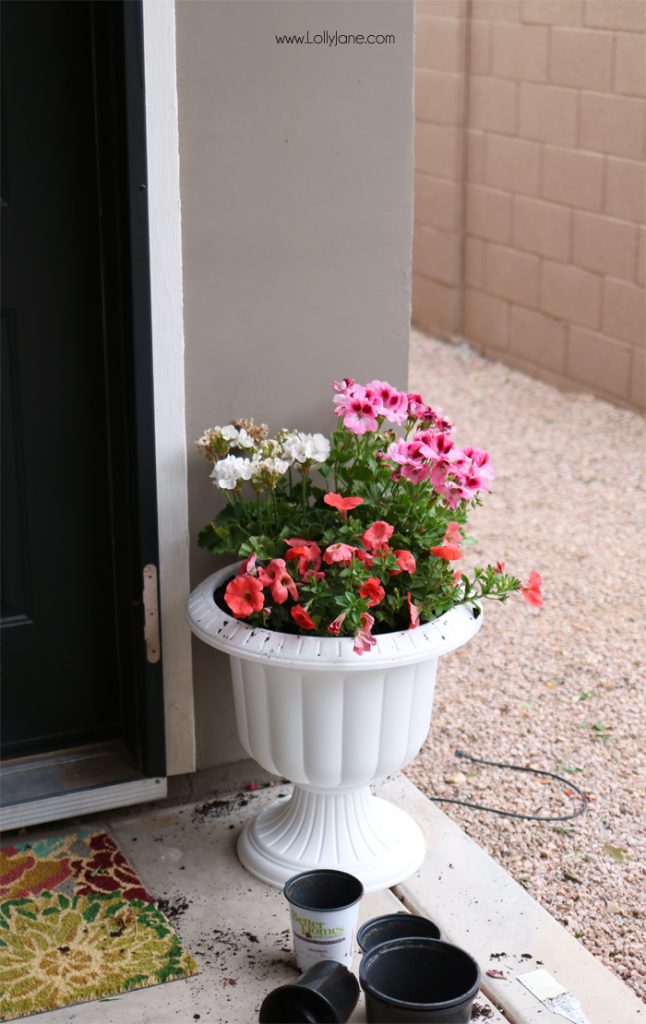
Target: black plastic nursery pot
point(418, 980)
point(326, 993)
point(323, 889)
point(395, 926)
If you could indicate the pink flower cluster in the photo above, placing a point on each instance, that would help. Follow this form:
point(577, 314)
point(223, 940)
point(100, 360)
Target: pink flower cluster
point(455, 473)
point(363, 407)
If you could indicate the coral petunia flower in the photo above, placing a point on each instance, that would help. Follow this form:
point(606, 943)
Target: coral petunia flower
point(405, 561)
point(244, 595)
point(281, 584)
point(452, 533)
point(248, 565)
point(364, 557)
point(308, 554)
point(364, 639)
point(413, 611)
point(377, 535)
point(335, 627)
point(373, 591)
point(338, 553)
point(449, 552)
point(301, 618)
point(342, 505)
point(532, 590)
point(449, 549)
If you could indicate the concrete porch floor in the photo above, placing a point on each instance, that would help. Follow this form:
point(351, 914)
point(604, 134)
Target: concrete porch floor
point(238, 928)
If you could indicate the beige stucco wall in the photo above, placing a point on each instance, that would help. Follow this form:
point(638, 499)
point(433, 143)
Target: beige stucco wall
point(296, 190)
point(530, 189)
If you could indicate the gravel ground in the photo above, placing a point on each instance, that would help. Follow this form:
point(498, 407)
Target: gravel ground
point(557, 688)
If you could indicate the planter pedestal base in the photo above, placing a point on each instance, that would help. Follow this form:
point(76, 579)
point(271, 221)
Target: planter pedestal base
point(350, 830)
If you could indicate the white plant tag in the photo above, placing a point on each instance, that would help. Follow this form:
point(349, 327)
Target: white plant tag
point(541, 984)
point(554, 996)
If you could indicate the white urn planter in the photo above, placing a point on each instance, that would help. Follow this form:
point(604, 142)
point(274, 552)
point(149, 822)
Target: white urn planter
point(310, 710)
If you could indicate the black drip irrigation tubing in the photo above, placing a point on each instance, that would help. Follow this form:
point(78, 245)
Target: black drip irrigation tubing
point(515, 814)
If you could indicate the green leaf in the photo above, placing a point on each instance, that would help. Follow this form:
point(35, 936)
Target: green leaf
point(263, 547)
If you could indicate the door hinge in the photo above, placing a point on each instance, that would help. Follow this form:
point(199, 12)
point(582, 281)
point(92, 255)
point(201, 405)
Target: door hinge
point(151, 614)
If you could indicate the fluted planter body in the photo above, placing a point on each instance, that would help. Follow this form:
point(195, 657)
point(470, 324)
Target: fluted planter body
point(311, 710)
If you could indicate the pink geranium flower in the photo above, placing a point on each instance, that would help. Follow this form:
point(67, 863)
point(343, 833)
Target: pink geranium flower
point(392, 404)
point(301, 618)
point(244, 595)
point(377, 535)
point(418, 409)
point(473, 472)
point(342, 505)
point(338, 553)
point(410, 456)
point(280, 583)
point(364, 639)
point(373, 591)
point(361, 416)
point(434, 444)
point(358, 407)
point(341, 386)
point(481, 461)
point(532, 590)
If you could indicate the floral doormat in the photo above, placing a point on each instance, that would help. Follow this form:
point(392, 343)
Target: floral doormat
point(77, 924)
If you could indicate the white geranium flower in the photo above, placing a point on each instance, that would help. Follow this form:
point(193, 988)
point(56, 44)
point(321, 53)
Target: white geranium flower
point(228, 473)
point(277, 467)
point(303, 448)
point(229, 433)
point(245, 440)
point(265, 472)
point(320, 447)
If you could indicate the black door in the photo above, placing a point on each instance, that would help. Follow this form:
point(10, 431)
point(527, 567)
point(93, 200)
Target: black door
point(78, 494)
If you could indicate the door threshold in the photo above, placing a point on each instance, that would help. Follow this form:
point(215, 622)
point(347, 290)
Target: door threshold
point(68, 783)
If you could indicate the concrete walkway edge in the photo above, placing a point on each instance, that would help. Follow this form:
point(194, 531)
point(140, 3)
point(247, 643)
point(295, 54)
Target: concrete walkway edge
point(479, 906)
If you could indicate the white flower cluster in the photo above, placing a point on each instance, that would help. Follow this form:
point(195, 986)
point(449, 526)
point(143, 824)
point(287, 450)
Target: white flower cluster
point(269, 459)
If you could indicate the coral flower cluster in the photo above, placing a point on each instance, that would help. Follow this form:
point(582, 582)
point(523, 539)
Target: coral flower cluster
point(358, 533)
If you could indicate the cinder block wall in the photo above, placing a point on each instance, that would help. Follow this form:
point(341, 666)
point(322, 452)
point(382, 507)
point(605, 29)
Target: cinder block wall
point(530, 187)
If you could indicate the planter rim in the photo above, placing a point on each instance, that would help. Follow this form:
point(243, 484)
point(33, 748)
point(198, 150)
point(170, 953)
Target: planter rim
point(223, 631)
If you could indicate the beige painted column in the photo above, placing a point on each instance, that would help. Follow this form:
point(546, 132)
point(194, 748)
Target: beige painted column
point(296, 188)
